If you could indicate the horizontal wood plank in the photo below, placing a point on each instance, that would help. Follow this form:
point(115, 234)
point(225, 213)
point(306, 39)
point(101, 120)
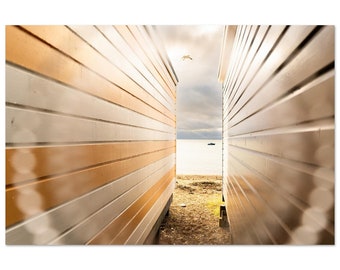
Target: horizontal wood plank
point(24, 50)
point(30, 163)
point(26, 201)
point(131, 53)
point(125, 32)
point(144, 37)
point(78, 220)
point(116, 231)
point(90, 133)
point(279, 200)
point(278, 133)
point(251, 83)
point(141, 233)
point(29, 90)
point(317, 54)
point(297, 179)
point(143, 213)
point(31, 127)
point(85, 54)
point(240, 217)
point(313, 101)
point(267, 38)
point(295, 146)
point(163, 56)
point(98, 41)
point(243, 62)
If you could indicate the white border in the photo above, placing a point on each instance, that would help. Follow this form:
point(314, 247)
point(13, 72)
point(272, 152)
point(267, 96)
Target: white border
point(161, 12)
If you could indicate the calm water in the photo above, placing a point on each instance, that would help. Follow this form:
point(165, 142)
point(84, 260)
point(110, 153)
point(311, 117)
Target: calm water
point(197, 157)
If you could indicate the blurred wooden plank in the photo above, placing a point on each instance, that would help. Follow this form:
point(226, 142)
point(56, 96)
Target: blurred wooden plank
point(295, 178)
point(267, 41)
point(144, 35)
point(24, 50)
point(30, 163)
point(163, 56)
point(119, 229)
point(99, 42)
point(247, 54)
point(226, 50)
point(31, 127)
point(26, 201)
point(312, 101)
point(144, 213)
point(85, 54)
point(90, 129)
point(131, 54)
point(294, 146)
point(147, 229)
point(317, 54)
point(142, 53)
point(241, 210)
point(78, 220)
point(251, 82)
point(283, 195)
point(30, 90)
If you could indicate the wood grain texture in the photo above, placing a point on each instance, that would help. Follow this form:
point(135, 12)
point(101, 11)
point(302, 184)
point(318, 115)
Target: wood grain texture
point(142, 54)
point(119, 229)
point(54, 160)
point(131, 53)
point(83, 51)
point(78, 220)
point(31, 91)
point(90, 130)
point(278, 133)
point(28, 126)
point(102, 44)
point(316, 54)
point(25, 50)
point(53, 191)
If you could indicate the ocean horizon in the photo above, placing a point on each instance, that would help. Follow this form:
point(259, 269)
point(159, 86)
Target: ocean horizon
point(196, 157)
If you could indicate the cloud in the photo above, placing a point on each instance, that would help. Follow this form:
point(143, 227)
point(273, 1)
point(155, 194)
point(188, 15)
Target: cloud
point(199, 95)
point(196, 135)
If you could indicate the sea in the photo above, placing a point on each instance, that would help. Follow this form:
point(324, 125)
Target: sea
point(196, 157)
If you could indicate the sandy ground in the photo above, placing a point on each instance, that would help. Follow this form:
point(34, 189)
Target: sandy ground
point(194, 213)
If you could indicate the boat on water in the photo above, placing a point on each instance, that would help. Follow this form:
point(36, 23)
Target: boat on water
point(211, 143)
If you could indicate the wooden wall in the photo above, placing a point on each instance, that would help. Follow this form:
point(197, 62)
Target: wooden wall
point(278, 133)
point(90, 134)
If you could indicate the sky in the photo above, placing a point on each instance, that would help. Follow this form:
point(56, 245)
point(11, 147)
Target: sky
point(199, 94)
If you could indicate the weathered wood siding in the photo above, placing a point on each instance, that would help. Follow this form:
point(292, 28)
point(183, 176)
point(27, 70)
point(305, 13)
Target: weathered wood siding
point(278, 133)
point(90, 134)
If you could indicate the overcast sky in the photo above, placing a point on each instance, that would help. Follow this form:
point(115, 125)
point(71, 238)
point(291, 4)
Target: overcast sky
point(199, 95)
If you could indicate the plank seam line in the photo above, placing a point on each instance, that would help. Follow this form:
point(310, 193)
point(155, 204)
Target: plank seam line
point(70, 143)
point(53, 112)
point(44, 177)
point(128, 60)
point(150, 60)
point(85, 92)
point(290, 58)
point(98, 74)
point(325, 174)
point(109, 61)
point(107, 204)
point(290, 197)
point(260, 66)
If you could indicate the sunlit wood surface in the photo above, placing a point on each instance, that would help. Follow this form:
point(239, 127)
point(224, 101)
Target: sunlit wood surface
point(90, 134)
point(278, 120)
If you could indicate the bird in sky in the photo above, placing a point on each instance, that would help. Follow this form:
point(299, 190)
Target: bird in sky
point(187, 56)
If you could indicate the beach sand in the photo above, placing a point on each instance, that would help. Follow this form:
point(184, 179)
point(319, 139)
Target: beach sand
point(194, 213)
